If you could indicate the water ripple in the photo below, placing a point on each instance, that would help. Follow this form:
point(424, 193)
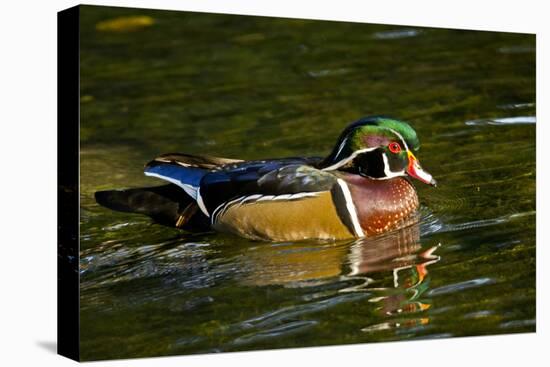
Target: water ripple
point(112, 263)
point(434, 225)
point(396, 34)
point(515, 106)
point(277, 316)
point(517, 120)
point(518, 49)
point(458, 287)
point(478, 314)
point(327, 72)
point(402, 326)
point(281, 330)
point(518, 323)
point(434, 336)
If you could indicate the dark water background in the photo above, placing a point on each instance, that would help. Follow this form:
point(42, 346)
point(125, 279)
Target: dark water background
point(252, 87)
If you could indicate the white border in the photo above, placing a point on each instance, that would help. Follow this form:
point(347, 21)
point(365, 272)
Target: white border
point(28, 148)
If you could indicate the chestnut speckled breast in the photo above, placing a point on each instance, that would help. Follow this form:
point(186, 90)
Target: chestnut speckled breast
point(382, 205)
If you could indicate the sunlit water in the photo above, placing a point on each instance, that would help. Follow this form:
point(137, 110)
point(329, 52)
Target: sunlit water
point(264, 87)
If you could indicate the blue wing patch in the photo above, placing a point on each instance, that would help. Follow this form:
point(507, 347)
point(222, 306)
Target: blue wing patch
point(187, 178)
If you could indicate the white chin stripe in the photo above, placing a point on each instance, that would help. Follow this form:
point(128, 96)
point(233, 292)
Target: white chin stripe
point(389, 173)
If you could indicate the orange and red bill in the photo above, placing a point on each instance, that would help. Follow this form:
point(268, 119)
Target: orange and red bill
point(415, 170)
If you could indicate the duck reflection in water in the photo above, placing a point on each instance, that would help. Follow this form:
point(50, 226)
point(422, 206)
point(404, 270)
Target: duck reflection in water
point(393, 268)
point(402, 255)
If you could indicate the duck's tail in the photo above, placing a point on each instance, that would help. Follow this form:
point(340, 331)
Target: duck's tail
point(186, 171)
point(168, 204)
point(164, 204)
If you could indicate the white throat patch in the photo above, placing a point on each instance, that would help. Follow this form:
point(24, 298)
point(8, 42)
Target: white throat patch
point(389, 173)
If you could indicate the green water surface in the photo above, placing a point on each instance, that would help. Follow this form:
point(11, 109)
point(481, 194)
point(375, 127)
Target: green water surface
point(255, 87)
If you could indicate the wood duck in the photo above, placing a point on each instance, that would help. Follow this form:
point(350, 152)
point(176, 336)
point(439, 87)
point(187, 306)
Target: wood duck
point(360, 189)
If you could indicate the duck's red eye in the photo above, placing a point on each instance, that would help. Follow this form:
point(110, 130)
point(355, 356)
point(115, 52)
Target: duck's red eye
point(394, 147)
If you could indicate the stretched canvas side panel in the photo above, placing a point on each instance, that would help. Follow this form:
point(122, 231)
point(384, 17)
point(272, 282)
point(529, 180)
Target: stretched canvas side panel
point(68, 322)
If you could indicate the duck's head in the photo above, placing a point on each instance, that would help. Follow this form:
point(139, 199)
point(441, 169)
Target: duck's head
point(380, 148)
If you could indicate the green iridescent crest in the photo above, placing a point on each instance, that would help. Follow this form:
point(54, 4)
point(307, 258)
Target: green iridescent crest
point(373, 132)
point(381, 133)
